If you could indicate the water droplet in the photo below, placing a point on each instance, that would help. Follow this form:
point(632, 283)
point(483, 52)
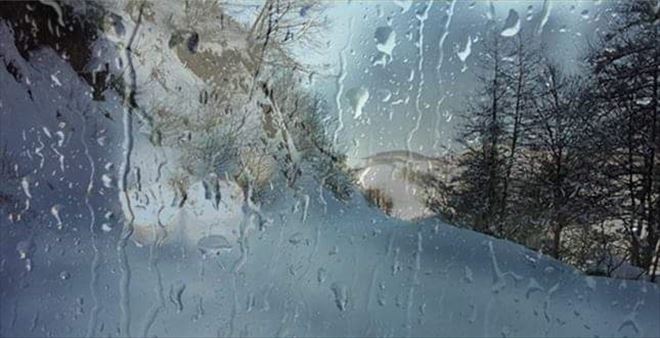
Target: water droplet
point(465, 52)
point(176, 295)
point(591, 282)
point(340, 292)
point(585, 14)
point(101, 140)
point(403, 4)
point(60, 138)
point(385, 40)
point(107, 180)
point(24, 248)
point(55, 80)
point(643, 101)
point(545, 16)
point(58, 10)
point(532, 287)
point(26, 187)
point(320, 275)
point(512, 24)
point(214, 244)
point(468, 274)
point(296, 238)
point(55, 211)
point(357, 98)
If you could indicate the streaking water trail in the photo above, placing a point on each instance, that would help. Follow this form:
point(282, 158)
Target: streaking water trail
point(340, 81)
point(91, 326)
point(422, 18)
point(443, 38)
point(124, 169)
point(545, 15)
point(438, 134)
point(153, 265)
point(414, 282)
point(127, 230)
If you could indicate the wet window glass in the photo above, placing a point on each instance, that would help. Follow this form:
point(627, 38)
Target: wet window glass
point(329, 168)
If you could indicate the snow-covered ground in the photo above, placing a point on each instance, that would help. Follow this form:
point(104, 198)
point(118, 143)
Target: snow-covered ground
point(345, 272)
point(302, 263)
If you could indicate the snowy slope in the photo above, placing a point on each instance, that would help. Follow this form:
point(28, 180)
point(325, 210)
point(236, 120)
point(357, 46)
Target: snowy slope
point(387, 172)
point(347, 272)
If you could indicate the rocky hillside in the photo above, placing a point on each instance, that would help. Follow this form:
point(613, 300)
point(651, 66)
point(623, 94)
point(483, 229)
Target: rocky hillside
point(207, 115)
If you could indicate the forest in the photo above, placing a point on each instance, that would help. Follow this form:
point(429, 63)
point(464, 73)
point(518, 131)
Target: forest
point(565, 162)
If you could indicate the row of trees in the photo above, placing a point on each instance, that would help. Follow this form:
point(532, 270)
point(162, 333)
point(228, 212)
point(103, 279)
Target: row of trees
point(565, 163)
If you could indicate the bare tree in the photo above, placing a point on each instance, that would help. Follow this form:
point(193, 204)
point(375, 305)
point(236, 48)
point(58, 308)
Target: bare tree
point(296, 116)
point(626, 66)
point(278, 27)
point(495, 130)
point(377, 198)
point(479, 190)
point(558, 144)
point(523, 74)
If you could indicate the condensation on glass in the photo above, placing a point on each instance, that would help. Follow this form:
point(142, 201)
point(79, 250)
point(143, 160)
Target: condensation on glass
point(311, 168)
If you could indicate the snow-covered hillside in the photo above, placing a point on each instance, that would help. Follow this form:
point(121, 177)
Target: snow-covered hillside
point(388, 173)
point(206, 259)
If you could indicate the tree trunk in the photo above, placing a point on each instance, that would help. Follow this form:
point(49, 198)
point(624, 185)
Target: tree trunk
point(516, 128)
point(556, 241)
point(634, 238)
point(492, 158)
point(652, 140)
